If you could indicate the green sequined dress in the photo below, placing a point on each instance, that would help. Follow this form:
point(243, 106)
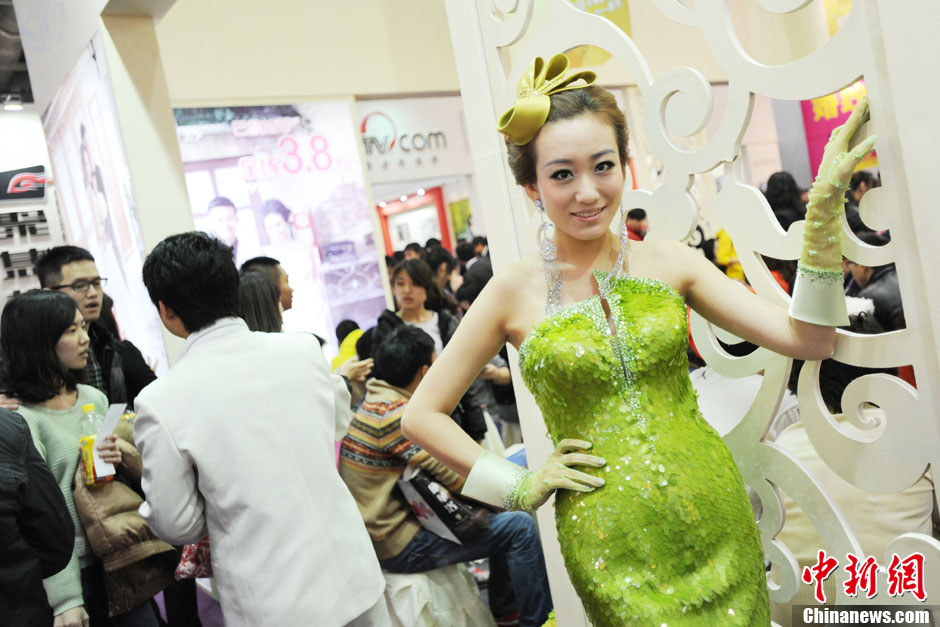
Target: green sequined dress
point(671, 536)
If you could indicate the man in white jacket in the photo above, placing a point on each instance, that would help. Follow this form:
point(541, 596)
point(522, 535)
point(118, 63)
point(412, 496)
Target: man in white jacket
point(237, 441)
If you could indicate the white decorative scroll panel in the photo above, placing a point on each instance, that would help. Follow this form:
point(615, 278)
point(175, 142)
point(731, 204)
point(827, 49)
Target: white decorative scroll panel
point(494, 40)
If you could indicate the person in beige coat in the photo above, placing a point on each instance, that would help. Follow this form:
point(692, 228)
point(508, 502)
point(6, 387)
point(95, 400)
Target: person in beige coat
point(237, 441)
point(136, 564)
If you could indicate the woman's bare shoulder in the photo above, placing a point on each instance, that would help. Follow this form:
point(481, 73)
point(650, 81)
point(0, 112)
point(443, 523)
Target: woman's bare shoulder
point(666, 260)
point(517, 291)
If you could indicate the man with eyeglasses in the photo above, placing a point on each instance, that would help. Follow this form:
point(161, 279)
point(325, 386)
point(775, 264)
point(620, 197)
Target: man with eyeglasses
point(114, 367)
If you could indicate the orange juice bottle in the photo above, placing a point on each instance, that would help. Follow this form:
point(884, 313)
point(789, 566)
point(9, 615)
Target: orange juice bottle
point(89, 426)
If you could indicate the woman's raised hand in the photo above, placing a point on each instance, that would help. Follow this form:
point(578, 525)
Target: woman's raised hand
point(840, 157)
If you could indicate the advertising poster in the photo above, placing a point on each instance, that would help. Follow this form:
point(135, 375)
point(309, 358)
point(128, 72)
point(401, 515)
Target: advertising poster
point(822, 115)
point(286, 182)
point(94, 189)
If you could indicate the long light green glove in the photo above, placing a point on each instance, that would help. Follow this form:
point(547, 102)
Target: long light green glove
point(499, 482)
point(817, 294)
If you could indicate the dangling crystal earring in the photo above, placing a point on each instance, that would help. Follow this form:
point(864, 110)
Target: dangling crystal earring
point(549, 261)
point(624, 232)
point(546, 245)
point(622, 265)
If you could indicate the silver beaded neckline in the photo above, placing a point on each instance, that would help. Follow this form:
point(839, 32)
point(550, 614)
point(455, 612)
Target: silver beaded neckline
point(604, 282)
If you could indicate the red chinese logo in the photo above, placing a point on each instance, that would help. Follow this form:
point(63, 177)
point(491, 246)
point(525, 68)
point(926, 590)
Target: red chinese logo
point(904, 575)
point(819, 573)
point(907, 575)
point(861, 575)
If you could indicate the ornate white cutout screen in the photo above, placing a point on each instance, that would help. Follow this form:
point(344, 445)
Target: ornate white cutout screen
point(494, 40)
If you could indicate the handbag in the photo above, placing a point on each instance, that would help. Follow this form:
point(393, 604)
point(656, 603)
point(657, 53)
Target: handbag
point(196, 562)
point(439, 510)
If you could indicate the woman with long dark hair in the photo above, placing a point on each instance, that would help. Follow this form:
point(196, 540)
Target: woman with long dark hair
point(259, 302)
point(784, 197)
point(44, 345)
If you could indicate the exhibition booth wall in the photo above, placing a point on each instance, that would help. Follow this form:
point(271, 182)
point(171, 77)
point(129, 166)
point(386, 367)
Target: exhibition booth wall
point(183, 56)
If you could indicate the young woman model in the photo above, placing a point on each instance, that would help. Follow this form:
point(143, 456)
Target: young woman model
point(44, 345)
point(655, 527)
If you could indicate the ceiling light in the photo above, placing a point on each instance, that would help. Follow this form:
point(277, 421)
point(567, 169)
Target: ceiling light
point(12, 102)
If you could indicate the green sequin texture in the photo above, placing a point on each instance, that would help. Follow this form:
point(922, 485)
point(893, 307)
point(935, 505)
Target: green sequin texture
point(670, 538)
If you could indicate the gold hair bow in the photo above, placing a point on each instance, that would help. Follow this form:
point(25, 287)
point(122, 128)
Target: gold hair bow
point(541, 80)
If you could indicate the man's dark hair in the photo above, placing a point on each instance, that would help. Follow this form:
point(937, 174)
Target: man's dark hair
point(49, 265)
point(416, 247)
point(258, 300)
point(465, 251)
point(475, 280)
point(874, 239)
point(30, 328)
point(636, 214)
point(863, 177)
point(220, 201)
point(268, 265)
point(436, 255)
point(401, 355)
point(344, 328)
point(194, 275)
point(432, 242)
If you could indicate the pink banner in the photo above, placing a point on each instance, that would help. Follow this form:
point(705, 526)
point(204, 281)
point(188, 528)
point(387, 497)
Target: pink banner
point(822, 115)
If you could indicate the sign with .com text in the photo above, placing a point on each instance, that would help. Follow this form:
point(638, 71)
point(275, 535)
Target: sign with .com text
point(413, 138)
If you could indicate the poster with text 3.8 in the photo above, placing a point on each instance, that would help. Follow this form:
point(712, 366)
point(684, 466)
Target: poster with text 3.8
point(286, 182)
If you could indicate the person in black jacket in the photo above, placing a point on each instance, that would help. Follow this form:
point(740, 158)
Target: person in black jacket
point(880, 284)
point(36, 531)
point(115, 367)
point(860, 184)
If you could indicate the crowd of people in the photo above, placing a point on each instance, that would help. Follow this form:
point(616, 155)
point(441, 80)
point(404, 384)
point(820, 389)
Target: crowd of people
point(220, 461)
point(256, 460)
point(61, 352)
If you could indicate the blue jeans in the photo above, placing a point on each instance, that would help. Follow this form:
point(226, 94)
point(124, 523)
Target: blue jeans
point(511, 534)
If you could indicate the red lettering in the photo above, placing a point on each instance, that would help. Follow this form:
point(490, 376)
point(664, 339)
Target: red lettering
point(907, 575)
point(861, 575)
point(820, 572)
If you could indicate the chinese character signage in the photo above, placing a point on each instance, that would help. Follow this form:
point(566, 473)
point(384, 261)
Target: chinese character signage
point(286, 182)
point(903, 575)
point(822, 115)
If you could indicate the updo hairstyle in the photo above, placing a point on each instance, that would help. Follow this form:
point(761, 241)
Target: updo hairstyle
point(566, 105)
